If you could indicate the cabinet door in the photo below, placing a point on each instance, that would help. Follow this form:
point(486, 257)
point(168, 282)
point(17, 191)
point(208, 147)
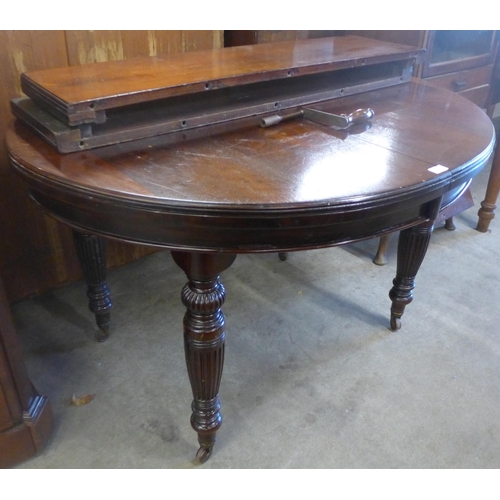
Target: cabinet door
point(456, 50)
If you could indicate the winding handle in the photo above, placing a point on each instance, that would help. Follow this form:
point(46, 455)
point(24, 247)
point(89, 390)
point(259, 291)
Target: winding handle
point(322, 117)
point(360, 116)
point(268, 121)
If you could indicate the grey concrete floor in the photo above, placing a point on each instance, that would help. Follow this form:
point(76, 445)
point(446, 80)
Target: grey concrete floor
point(313, 376)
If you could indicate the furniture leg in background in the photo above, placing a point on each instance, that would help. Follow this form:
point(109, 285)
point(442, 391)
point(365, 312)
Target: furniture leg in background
point(445, 215)
point(380, 258)
point(91, 251)
point(487, 211)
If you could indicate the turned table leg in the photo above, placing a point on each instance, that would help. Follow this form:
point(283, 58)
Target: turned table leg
point(204, 338)
point(380, 259)
point(412, 246)
point(91, 251)
point(449, 224)
point(487, 211)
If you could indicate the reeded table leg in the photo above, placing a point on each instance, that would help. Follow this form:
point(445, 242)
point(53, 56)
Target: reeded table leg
point(91, 251)
point(487, 211)
point(412, 246)
point(204, 337)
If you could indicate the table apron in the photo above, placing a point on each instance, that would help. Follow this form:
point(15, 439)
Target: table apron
point(236, 233)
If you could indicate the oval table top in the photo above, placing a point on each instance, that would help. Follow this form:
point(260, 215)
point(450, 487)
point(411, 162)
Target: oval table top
point(218, 191)
point(422, 143)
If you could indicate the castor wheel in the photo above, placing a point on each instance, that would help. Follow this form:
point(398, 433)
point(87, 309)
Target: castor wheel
point(282, 256)
point(103, 322)
point(395, 323)
point(203, 454)
point(102, 335)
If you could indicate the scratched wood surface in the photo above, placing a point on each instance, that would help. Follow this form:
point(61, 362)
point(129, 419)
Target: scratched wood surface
point(36, 252)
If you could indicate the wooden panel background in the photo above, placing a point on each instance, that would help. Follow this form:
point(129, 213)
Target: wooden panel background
point(233, 38)
point(416, 38)
point(36, 252)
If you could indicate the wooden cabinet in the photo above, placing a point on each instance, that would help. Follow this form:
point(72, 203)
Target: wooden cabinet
point(462, 61)
point(459, 60)
point(25, 416)
point(474, 84)
point(453, 50)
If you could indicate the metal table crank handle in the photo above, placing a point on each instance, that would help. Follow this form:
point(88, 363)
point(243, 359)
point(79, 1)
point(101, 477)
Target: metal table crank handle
point(330, 119)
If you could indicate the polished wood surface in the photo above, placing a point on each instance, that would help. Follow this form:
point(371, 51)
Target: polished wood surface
point(187, 171)
point(212, 193)
point(475, 78)
point(82, 91)
point(37, 253)
point(128, 100)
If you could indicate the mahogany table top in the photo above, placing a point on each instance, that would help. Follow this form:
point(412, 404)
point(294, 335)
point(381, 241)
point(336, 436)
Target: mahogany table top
point(297, 168)
point(213, 192)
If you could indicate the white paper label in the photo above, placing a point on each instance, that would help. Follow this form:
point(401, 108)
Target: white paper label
point(438, 169)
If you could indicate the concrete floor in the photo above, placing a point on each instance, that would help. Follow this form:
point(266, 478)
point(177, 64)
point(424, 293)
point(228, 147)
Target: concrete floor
point(313, 376)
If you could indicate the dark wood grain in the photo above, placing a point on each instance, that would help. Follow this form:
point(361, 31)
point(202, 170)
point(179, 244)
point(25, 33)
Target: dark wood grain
point(37, 253)
point(81, 92)
point(255, 156)
point(26, 421)
point(211, 193)
point(204, 340)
